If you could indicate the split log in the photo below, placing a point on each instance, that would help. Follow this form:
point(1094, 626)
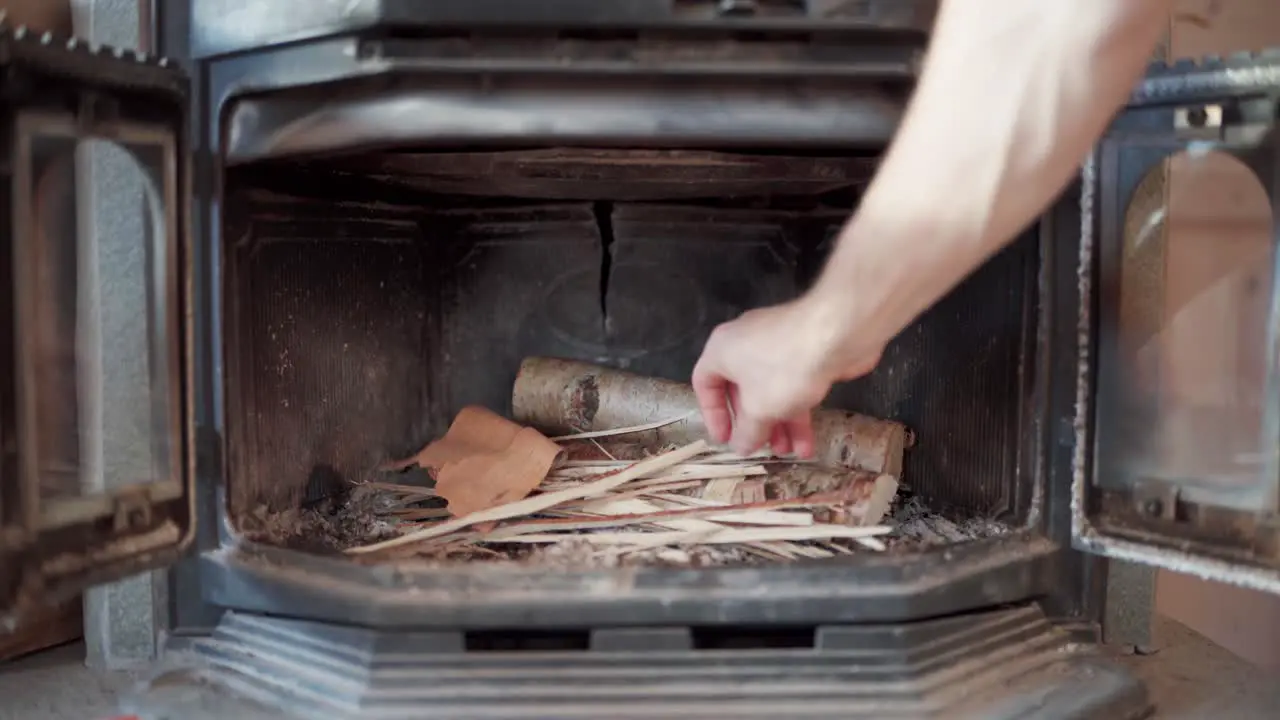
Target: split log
point(561, 397)
point(865, 497)
point(857, 498)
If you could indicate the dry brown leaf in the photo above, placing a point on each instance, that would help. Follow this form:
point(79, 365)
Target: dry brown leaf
point(494, 478)
point(475, 431)
point(485, 460)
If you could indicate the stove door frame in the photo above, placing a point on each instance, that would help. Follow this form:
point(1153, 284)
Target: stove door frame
point(57, 539)
point(221, 52)
point(1135, 494)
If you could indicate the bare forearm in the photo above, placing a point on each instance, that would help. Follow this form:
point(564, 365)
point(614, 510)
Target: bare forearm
point(1013, 95)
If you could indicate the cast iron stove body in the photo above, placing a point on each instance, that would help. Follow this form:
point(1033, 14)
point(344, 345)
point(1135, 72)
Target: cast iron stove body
point(392, 203)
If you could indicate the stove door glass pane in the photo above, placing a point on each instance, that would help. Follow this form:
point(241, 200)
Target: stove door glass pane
point(1185, 383)
point(1177, 459)
point(96, 278)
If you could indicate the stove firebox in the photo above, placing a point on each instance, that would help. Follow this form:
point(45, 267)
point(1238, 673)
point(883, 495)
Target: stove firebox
point(357, 325)
point(392, 247)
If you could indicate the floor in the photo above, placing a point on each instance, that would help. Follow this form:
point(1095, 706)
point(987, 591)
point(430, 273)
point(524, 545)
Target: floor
point(55, 685)
point(1190, 677)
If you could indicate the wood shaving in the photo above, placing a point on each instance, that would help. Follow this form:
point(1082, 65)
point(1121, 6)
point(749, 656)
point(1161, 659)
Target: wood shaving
point(604, 501)
point(621, 431)
point(532, 505)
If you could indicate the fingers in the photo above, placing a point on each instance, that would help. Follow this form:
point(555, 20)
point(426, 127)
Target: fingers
point(780, 440)
point(749, 434)
point(800, 431)
point(712, 390)
point(716, 384)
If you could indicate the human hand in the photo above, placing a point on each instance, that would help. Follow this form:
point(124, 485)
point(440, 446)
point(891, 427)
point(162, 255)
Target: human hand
point(761, 375)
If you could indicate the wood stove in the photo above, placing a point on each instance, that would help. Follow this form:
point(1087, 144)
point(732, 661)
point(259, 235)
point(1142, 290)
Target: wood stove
point(369, 212)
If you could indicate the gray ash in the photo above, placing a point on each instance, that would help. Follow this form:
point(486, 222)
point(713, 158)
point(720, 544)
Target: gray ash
point(917, 527)
point(361, 517)
point(575, 553)
point(329, 526)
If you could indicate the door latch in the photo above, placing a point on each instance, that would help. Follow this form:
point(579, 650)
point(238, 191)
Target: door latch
point(1200, 122)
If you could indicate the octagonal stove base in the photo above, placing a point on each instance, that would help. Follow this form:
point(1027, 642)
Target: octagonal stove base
point(1008, 663)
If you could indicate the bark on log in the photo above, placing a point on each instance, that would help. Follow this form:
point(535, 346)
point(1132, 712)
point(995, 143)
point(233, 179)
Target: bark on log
point(561, 397)
point(865, 496)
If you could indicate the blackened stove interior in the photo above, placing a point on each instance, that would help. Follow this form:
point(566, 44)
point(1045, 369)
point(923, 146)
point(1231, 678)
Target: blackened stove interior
point(368, 297)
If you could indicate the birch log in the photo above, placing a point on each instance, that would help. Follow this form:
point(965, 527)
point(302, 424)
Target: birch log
point(561, 397)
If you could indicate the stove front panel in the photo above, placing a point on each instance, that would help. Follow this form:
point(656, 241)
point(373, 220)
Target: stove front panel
point(563, 271)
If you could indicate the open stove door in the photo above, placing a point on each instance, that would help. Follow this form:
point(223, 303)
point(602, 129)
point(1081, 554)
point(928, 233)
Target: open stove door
point(95, 477)
point(1178, 401)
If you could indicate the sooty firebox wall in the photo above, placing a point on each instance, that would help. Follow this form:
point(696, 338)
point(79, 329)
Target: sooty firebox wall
point(369, 298)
